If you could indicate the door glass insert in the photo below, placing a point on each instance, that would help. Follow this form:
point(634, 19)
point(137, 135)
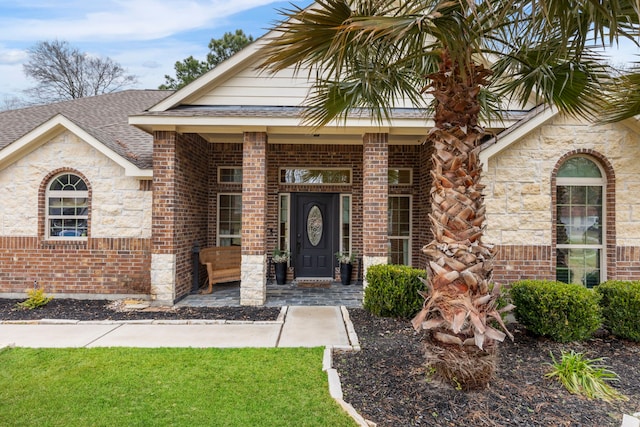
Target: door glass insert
point(314, 225)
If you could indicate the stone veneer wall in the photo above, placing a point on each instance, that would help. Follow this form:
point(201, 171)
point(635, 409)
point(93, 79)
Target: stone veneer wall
point(520, 197)
point(114, 259)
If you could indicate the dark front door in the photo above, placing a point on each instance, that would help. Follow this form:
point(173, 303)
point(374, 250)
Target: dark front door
point(315, 233)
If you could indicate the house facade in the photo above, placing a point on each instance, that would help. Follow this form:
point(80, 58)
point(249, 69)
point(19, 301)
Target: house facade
point(75, 217)
point(228, 160)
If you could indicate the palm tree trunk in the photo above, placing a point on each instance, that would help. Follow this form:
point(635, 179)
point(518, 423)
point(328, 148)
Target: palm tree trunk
point(459, 267)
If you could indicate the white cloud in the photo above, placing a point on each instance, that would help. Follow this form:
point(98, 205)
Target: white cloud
point(12, 56)
point(121, 19)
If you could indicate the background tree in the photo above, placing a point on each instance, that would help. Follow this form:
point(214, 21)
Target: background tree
point(12, 103)
point(64, 72)
point(220, 49)
point(464, 59)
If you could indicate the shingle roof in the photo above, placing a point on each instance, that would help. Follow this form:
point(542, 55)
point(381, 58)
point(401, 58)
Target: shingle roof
point(105, 117)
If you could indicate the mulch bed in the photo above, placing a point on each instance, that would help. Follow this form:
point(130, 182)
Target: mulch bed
point(106, 310)
point(387, 383)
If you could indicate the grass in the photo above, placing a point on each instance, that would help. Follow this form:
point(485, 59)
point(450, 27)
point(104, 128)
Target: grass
point(166, 387)
point(586, 377)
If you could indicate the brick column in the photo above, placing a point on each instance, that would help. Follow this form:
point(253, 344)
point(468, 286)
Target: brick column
point(253, 289)
point(375, 191)
point(163, 257)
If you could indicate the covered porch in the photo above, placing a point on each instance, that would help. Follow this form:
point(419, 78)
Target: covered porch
point(251, 189)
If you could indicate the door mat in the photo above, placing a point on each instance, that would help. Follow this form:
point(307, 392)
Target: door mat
point(314, 284)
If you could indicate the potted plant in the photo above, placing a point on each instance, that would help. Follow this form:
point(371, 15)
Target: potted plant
point(346, 266)
point(280, 259)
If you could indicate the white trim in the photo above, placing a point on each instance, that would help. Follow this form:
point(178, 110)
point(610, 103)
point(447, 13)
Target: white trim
point(588, 182)
point(288, 223)
point(220, 168)
point(340, 223)
point(62, 194)
point(400, 170)
point(55, 126)
point(515, 133)
point(409, 238)
point(227, 236)
point(285, 125)
point(318, 168)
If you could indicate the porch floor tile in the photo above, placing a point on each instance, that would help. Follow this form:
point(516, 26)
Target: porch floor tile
point(228, 295)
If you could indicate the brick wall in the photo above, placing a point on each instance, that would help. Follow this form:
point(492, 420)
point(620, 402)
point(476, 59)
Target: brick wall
point(100, 265)
point(627, 263)
point(321, 156)
point(221, 155)
point(254, 193)
point(418, 158)
point(327, 156)
point(517, 262)
point(374, 194)
point(180, 208)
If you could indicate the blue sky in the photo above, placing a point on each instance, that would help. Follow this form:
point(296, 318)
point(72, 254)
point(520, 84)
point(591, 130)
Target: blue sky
point(145, 36)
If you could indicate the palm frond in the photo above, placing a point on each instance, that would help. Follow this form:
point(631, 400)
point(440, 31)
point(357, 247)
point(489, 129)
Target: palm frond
point(625, 99)
point(576, 81)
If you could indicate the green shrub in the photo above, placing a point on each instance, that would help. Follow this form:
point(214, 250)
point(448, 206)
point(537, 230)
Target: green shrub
point(620, 302)
point(392, 291)
point(560, 311)
point(35, 299)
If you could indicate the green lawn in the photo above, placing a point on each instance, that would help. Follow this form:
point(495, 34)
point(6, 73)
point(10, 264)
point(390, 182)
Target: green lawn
point(166, 387)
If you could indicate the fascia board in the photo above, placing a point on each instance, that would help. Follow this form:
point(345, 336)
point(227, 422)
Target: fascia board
point(513, 136)
point(219, 72)
point(150, 123)
point(55, 126)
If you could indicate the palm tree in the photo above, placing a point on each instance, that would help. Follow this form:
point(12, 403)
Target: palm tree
point(464, 60)
point(626, 97)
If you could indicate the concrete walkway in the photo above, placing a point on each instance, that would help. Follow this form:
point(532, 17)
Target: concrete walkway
point(297, 326)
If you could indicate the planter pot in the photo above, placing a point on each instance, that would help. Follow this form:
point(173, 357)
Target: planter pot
point(345, 273)
point(281, 272)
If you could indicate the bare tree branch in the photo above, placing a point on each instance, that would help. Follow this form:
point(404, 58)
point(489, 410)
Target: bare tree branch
point(64, 72)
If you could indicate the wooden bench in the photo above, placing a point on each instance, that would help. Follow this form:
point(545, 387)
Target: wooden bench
point(223, 264)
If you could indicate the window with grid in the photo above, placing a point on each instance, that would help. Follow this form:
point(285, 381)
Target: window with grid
point(67, 208)
point(580, 222)
point(229, 219)
point(399, 232)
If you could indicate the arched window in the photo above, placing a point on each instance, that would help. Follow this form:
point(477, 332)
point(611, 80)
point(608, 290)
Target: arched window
point(67, 207)
point(580, 222)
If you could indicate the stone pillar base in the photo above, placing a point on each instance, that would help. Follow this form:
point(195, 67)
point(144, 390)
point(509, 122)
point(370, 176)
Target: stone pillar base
point(253, 280)
point(163, 279)
point(368, 261)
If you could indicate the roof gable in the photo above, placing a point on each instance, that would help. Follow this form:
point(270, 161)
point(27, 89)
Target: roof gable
point(55, 126)
point(104, 118)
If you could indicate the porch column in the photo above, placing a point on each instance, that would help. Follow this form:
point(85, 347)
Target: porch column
point(253, 288)
point(375, 191)
point(163, 254)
